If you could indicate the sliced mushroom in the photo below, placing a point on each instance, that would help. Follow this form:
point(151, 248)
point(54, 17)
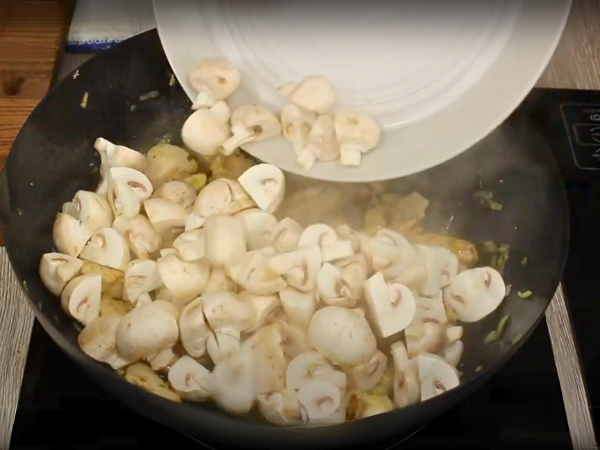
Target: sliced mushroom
point(251, 123)
point(168, 162)
point(191, 380)
point(475, 293)
point(260, 228)
point(251, 273)
point(453, 353)
point(296, 123)
point(363, 404)
point(295, 339)
point(263, 305)
point(441, 266)
point(193, 222)
point(193, 329)
point(57, 269)
point(318, 234)
point(299, 306)
point(265, 184)
point(299, 268)
point(224, 240)
point(354, 274)
point(334, 290)
point(81, 298)
point(141, 277)
point(436, 375)
point(313, 93)
point(141, 236)
point(69, 235)
point(393, 307)
point(407, 386)
point(322, 140)
point(223, 344)
point(337, 250)
point(107, 248)
point(102, 188)
point(214, 80)
point(357, 133)
point(218, 281)
point(90, 209)
point(185, 280)
point(97, 340)
point(454, 334)
point(191, 245)
point(346, 233)
point(143, 376)
point(163, 360)
point(427, 332)
point(311, 366)
point(221, 196)
point(178, 192)
point(342, 335)
point(145, 331)
point(286, 235)
point(269, 359)
point(110, 307)
point(127, 189)
point(207, 129)
point(281, 407)
point(234, 381)
point(166, 217)
point(224, 311)
point(366, 376)
point(112, 279)
point(320, 399)
point(112, 155)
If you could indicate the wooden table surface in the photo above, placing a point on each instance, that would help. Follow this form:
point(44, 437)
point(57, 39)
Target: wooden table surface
point(31, 36)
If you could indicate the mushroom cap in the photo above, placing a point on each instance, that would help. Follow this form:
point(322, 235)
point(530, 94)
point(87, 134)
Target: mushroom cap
point(207, 129)
point(475, 293)
point(219, 281)
point(366, 376)
point(337, 250)
point(281, 407)
point(185, 280)
point(145, 331)
point(141, 236)
point(264, 123)
point(311, 365)
point(295, 338)
point(222, 344)
point(57, 269)
point(332, 289)
point(98, 338)
point(263, 306)
point(224, 240)
point(313, 93)
point(300, 268)
point(436, 375)
point(191, 380)
point(269, 359)
point(320, 399)
point(168, 162)
point(193, 329)
point(81, 298)
point(141, 277)
point(178, 192)
point(296, 123)
point(112, 155)
point(191, 245)
point(298, 306)
point(107, 248)
point(234, 381)
point(393, 307)
point(216, 77)
point(318, 234)
point(69, 235)
point(167, 217)
point(265, 184)
point(222, 196)
point(342, 335)
point(356, 131)
point(127, 189)
point(251, 273)
point(91, 209)
point(286, 235)
point(260, 227)
point(225, 311)
point(163, 360)
point(441, 266)
point(322, 140)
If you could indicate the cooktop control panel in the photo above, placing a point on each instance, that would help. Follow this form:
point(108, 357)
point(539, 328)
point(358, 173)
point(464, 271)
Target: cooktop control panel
point(582, 124)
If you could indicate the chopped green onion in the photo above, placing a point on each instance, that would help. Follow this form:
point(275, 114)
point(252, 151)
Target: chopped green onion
point(517, 338)
point(524, 295)
point(491, 337)
point(25, 286)
point(524, 261)
point(84, 100)
point(497, 333)
point(483, 195)
point(495, 206)
point(94, 170)
point(149, 95)
point(478, 368)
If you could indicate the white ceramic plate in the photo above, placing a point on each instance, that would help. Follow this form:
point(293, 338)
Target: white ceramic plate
point(438, 76)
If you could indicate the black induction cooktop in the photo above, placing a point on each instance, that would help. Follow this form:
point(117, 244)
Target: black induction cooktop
point(520, 407)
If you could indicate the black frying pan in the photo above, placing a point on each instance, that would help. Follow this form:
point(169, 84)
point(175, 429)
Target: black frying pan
point(53, 157)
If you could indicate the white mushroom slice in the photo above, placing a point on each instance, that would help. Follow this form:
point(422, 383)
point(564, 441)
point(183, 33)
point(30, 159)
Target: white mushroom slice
point(191, 380)
point(141, 277)
point(143, 376)
point(296, 124)
point(333, 290)
point(319, 234)
point(234, 381)
point(320, 399)
point(354, 275)
point(427, 331)
point(69, 235)
point(146, 331)
point(322, 140)
point(260, 228)
point(224, 311)
point(298, 306)
point(265, 184)
point(295, 338)
point(185, 280)
point(366, 376)
point(193, 329)
point(168, 251)
point(127, 189)
point(306, 159)
point(281, 407)
point(357, 133)
point(263, 305)
point(224, 240)
point(369, 404)
point(441, 266)
point(342, 335)
point(107, 248)
point(475, 293)
point(81, 298)
point(269, 359)
point(407, 386)
point(97, 339)
point(112, 155)
point(163, 360)
point(178, 192)
point(221, 196)
point(222, 345)
point(251, 272)
point(167, 217)
point(218, 281)
point(313, 93)
point(436, 375)
point(286, 235)
point(346, 233)
point(454, 334)
point(162, 294)
point(90, 209)
point(336, 251)
point(141, 236)
point(57, 269)
point(191, 245)
point(392, 306)
point(310, 366)
point(193, 222)
point(102, 188)
point(453, 353)
point(299, 268)
point(214, 80)
point(251, 123)
point(207, 129)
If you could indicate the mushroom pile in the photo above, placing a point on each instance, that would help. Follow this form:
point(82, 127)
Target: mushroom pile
point(315, 129)
point(197, 289)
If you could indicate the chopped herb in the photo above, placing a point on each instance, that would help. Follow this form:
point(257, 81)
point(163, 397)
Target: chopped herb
point(497, 333)
point(491, 337)
point(84, 100)
point(94, 170)
point(503, 252)
point(516, 339)
point(502, 325)
point(483, 195)
point(524, 295)
point(19, 211)
point(25, 286)
point(478, 369)
point(524, 261)
point(149, 95)
point(495, 206)
point(311, 367)
point(490, 246)
point(486, 198)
